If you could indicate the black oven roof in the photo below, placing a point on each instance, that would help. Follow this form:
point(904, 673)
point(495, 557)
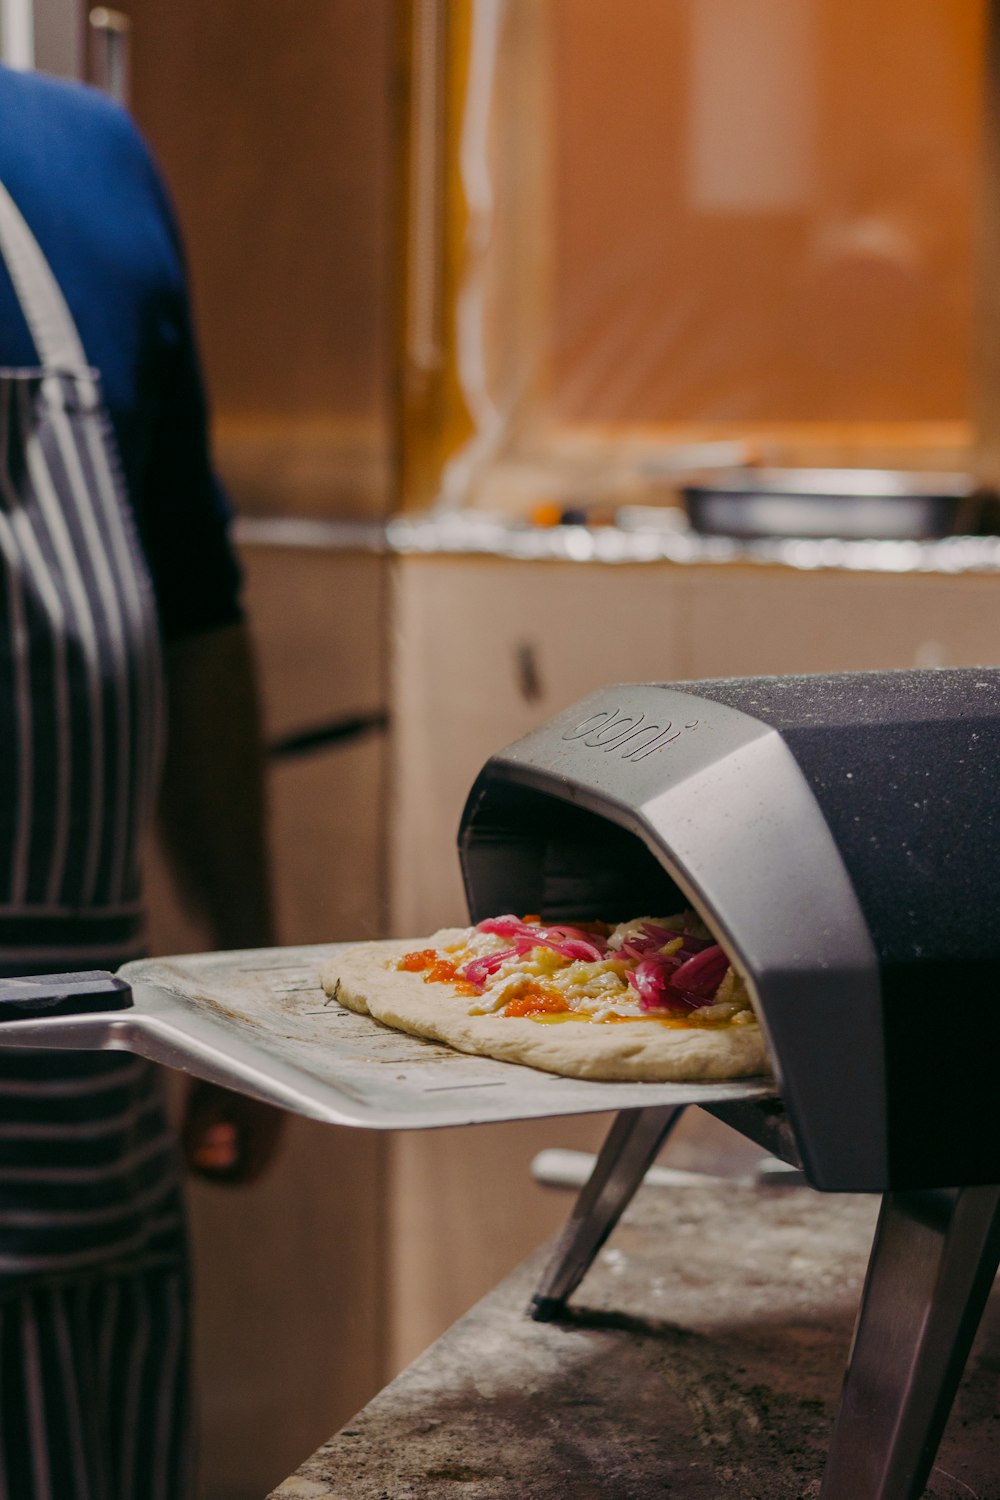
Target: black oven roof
point(905, 767)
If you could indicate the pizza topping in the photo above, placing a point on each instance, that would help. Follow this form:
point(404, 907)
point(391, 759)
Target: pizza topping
point(536, 1003)
point(673, 977)
point(702, 974)
point(664, 969)
point(643, 936)
point(568, 942)
point(571, 1016)
point(436, 969)
point(479, 971)
point(413, 963)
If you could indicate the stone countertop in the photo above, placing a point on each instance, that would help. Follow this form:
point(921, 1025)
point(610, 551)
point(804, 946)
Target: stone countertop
point(702, 1361)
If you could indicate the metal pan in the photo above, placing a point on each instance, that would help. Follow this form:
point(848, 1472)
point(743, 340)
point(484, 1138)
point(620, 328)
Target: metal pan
point(845, 503)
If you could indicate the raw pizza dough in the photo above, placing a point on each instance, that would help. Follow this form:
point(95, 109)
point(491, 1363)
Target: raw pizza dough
point(365, 979)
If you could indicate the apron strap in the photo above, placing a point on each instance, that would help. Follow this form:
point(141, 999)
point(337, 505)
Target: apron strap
point(49, 320)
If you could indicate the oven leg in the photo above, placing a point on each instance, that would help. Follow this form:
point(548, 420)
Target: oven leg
point(931, 1268)
point(626, 1156)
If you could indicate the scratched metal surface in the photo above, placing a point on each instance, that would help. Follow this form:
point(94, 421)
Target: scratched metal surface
point(258, 1021)
point(371, 1075)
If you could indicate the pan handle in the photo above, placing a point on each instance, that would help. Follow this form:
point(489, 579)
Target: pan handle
point(35, 996)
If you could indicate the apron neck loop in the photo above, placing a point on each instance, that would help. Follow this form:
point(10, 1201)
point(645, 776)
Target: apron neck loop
point(49, 320)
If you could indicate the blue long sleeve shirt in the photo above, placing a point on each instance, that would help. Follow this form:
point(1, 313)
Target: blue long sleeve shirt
point(85, 182)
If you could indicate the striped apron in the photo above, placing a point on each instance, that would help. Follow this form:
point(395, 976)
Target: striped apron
point(93, 1329)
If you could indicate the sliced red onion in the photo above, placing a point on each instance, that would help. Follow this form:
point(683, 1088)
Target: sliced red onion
point(478, 970)
point(503, 926)
point(572, 943)
point(637, 948)
point(654, 937)
point(660, 982)
point(588, 940)
point(693, 945)
point(654, 933)
point(569, 942)
point(703, 973)
point(634, 951)
point(649, 979)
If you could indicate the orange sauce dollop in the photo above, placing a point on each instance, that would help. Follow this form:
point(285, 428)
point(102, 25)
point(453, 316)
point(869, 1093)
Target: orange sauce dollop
point(413, 963)
point(535, 1003)
point(436, 970)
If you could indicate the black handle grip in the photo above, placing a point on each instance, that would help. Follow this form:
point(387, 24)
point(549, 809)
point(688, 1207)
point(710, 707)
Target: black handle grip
point(35, 996)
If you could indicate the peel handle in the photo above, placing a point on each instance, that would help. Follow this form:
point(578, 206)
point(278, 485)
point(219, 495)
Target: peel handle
point(33, 997)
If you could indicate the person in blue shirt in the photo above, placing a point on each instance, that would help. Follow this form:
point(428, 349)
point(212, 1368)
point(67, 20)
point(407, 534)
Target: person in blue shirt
point(119, 615)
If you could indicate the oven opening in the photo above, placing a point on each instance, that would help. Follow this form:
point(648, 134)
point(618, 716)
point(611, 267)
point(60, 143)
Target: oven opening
point(528, 851)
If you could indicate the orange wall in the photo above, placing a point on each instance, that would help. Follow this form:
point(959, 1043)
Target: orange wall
point(851, 302)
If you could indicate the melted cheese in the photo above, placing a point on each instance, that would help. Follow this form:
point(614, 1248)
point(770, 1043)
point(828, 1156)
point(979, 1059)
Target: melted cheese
point(597, 992)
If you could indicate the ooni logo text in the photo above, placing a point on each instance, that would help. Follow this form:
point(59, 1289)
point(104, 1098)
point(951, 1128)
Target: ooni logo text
point(633, 736)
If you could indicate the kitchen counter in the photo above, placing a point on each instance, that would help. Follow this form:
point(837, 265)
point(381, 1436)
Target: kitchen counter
point(702, 1361)
point(476, 534)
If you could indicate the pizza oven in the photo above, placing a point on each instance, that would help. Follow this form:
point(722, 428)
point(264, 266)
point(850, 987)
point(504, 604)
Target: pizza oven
point(841, 836)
